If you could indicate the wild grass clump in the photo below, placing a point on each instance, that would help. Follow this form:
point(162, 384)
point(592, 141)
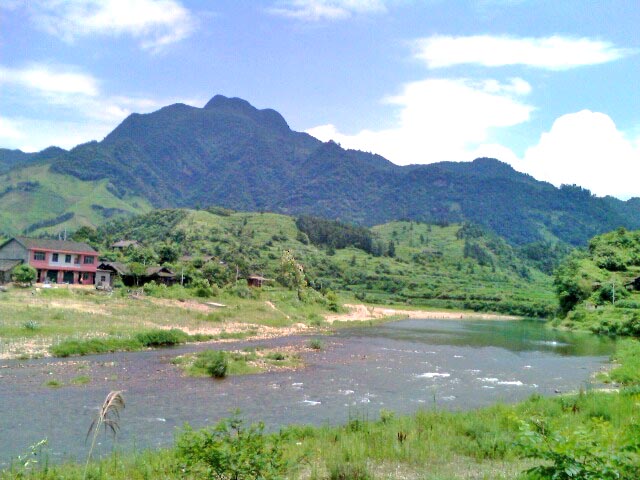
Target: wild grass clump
point(212, 362)
point(349, 471)
point(91, 346)
point(628, 355)
point(162, 338)
point(146, 339)
point(315, 344)
point(31, 325)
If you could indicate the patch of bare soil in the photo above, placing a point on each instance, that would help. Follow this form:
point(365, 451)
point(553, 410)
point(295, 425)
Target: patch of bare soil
point(361, 313)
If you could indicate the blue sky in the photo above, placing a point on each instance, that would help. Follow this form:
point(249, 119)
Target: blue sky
point(550, 87)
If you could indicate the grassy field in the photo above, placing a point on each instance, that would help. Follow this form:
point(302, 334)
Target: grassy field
point(34, 320)
point(585, 435)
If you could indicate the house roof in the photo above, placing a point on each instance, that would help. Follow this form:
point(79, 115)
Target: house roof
point(118, 267)
point(123, 269)
point(49, 244)
point(7, 265)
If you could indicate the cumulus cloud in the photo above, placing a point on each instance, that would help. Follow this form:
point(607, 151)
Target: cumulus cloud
point(586, 148)
point(440, 119)
point(67, 107)
point(550, 53)
point(155, 23)
point(50, 80)
point(317, 10)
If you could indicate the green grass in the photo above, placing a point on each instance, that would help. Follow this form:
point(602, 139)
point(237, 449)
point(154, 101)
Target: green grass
point(54, 195)
point(87, 321)
point(246, 362)
point(145, 339)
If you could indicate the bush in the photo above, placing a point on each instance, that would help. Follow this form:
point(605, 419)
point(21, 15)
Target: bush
point(315, 344)
point(216, 364)
point(162, 338)
point(24, 275)
point(232, 451)
point(201, 288)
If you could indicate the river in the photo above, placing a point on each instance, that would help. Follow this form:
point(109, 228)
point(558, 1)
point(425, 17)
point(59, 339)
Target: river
point(401, 366)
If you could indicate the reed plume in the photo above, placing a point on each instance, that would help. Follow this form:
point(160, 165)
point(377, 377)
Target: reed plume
point(109, 417)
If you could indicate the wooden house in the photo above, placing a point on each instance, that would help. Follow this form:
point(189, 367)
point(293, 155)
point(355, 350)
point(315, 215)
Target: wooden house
point(117, 269)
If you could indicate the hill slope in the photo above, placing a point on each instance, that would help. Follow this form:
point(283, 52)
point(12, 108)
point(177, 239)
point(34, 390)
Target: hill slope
point(234, 155)
point(595, 287)
point(455, 266)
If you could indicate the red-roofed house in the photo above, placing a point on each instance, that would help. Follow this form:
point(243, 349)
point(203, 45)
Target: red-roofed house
point(58, 261)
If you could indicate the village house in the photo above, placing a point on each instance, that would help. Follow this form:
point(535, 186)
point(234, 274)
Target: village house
point(56, 261)
point(108, 271)
point(124, 244)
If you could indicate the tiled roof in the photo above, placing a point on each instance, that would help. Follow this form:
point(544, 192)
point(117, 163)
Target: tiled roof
point(49, 244)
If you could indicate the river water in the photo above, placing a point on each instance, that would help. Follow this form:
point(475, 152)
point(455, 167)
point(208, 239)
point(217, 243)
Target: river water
point(401, 366)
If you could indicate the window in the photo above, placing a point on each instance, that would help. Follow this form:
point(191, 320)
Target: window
point(85, 276)
point(67, 259)
point(103, 278)
point(54, 257)
point(88, 260)
point(39, 256)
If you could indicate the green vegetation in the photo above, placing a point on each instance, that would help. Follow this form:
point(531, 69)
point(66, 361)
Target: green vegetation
point(441, 266)
point(219, 363)
point(145, 339)
point(186, 156)
point(36, 200)
point(595, 287)
point(24, 275)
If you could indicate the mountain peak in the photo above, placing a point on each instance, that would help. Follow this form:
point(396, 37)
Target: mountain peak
point(235, 105)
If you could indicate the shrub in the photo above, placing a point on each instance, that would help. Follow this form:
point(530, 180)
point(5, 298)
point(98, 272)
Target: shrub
point(216, 364)
point(162, 338)
point(24, 275)
point(315, 344)
point(31, 325)
point(232, 451)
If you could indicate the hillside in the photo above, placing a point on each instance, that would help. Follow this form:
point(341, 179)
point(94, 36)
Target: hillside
point(34, 200)
point(453, 266)
point(595, 287)
point(230, 154)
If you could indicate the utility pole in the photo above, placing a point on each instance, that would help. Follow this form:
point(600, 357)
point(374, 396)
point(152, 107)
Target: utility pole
point(613, 292)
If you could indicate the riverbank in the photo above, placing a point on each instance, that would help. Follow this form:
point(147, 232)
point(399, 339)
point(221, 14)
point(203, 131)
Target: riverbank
point(36, 320)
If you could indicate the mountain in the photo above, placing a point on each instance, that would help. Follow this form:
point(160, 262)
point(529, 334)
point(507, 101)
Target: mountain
point(234, 155)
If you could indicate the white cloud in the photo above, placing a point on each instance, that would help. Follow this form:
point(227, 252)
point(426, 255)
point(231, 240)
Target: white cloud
point(50, 80)
point(440, 119)
point(551, 53)
point(67, 107)
point(155, 23)
point(586, 148)
point(317, 10)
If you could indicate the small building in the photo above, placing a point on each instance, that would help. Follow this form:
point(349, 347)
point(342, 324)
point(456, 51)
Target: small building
point(111, 270)
point(124, 244)
point(56, 261)
point(256, 281)
point(6, 267)
point(104, 279)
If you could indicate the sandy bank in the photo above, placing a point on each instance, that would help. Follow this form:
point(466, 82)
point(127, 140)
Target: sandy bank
point(361, 312)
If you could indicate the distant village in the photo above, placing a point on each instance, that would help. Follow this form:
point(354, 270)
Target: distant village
point(77, 263)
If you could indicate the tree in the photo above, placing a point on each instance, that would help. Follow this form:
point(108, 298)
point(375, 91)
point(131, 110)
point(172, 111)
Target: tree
point(290, 272)
point(24, 275)
point(391, 251)
point(168, 253)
